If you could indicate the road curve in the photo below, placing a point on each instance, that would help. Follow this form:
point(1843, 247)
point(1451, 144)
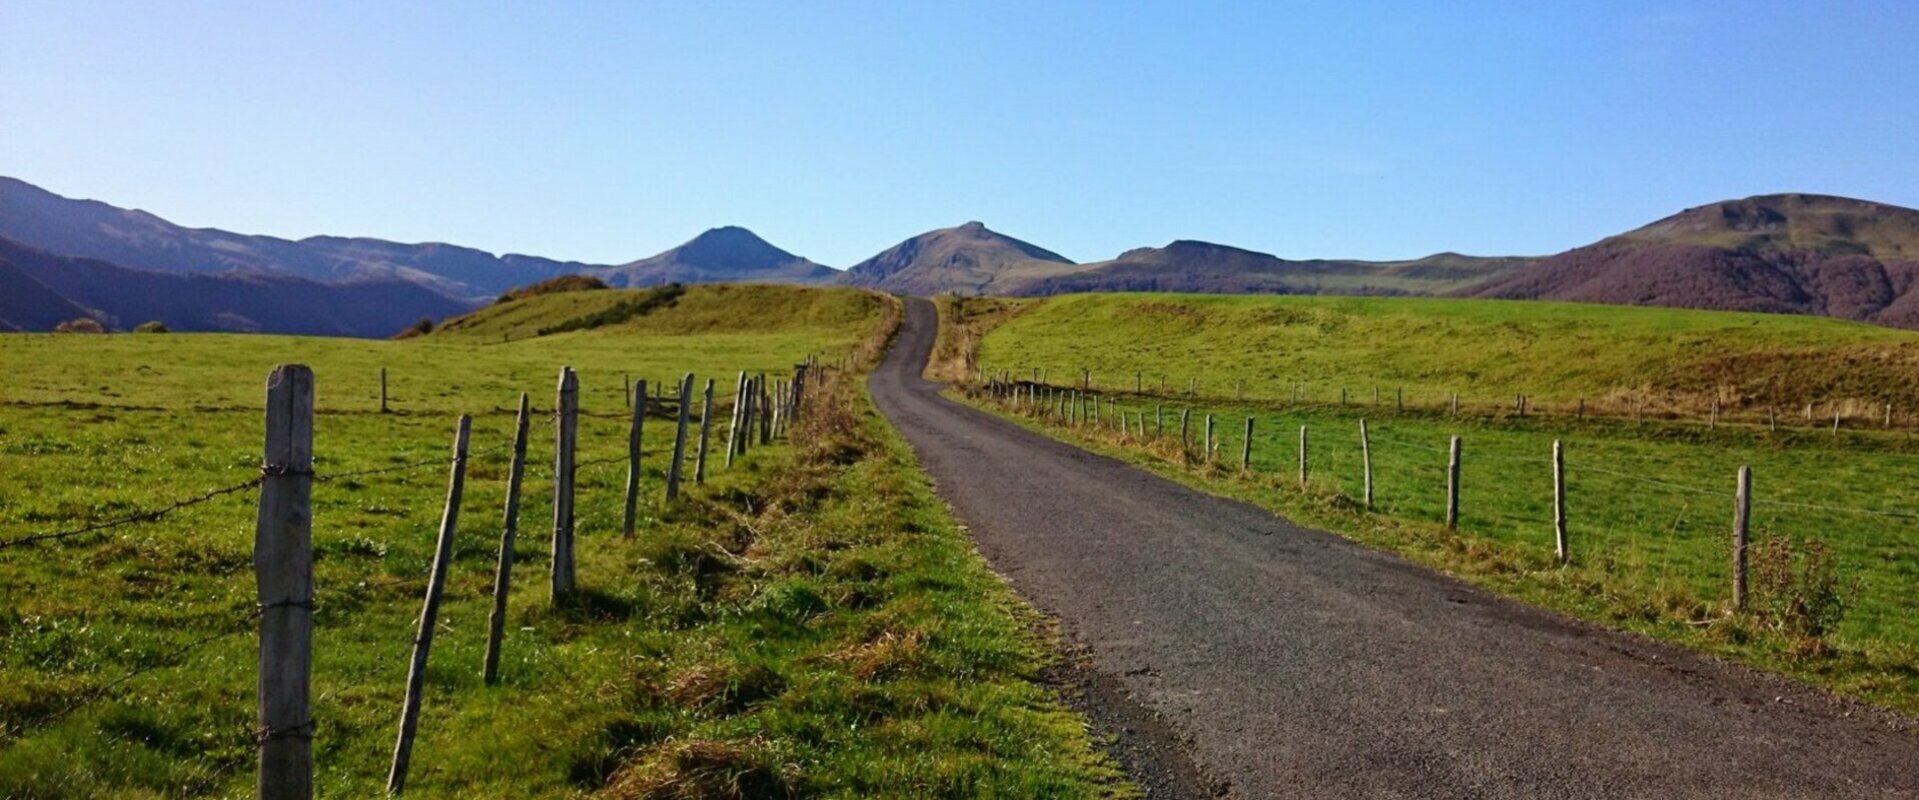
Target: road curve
point(1294, 663)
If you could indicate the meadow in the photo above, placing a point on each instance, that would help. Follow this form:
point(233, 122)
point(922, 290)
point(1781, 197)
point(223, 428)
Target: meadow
point(1650, 500)
point(809, 622)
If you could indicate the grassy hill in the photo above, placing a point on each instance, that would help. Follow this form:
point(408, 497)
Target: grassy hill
point(1617, 358)
point(808, 623)
point(1190, 266)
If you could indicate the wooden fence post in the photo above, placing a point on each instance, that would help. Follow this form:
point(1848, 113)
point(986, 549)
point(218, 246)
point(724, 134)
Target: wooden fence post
point(1399, 400)
point(1239, 390)
point(1246, 447)
point(1185, 440)
point(1835, 420)
point(1302, 457)
point(1455, 405)
point(1139, 382)
point(626, 388)
point(1342, 397)
point(733, 419)
point(1366, 460)
point(283, 571)
point(429, 612)
point(509, 530)
point(766, 407)
point(1452, 486)
point(1582, 408)
point(1772, 418)
point(1888, 415)
point(706, 433)
point(383, 390)
point(1713, 421)
point(1560, 545)
point(679, 439)
point(1208, 453)
point(566, 440)
point(633, 434)
point(1741, 518)
point(1159, 420)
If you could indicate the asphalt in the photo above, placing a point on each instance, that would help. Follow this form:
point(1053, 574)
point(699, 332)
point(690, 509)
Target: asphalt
point(1234, 653)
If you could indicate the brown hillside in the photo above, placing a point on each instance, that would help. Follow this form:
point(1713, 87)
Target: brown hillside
point(1190, 266)
point(969, 259)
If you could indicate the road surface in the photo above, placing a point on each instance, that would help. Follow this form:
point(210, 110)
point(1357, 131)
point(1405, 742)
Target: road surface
point(1254, 658)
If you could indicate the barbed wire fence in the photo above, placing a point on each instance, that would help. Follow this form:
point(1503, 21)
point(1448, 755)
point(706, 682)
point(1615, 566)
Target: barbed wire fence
point(765, 402)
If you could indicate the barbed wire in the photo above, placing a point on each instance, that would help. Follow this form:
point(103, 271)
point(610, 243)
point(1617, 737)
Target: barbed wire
point(149, 515)
point(172, 658)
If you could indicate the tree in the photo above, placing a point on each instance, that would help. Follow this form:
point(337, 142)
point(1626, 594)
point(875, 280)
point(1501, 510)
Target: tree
point(81, 325)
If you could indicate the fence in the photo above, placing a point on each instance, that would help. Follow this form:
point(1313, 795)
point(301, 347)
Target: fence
point(1832, 416)
point(284, 557)
point(1667, 524)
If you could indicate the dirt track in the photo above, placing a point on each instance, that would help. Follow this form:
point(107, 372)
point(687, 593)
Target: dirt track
point(1288, 662)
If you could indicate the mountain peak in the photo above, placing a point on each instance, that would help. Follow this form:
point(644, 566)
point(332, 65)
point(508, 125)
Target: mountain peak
point(969, 259)
point(974, 227)
point(726, 253)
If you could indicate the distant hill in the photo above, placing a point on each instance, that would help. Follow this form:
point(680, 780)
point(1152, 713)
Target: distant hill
point(969, 259)
point(1190, 266)
point(729, 254)
point(42, 289)
point(139, 240)
point(1783, 253)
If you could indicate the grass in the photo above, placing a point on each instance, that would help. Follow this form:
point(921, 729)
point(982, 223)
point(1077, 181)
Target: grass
point(809, 623)
point(1649, 503)
point(1616, 358)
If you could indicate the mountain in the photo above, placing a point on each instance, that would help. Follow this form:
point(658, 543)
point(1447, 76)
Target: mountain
point(729, 254)
point(1190, 266)
point(1784, 253)
point(968, 259)
point(138, 240)
point(43, 289)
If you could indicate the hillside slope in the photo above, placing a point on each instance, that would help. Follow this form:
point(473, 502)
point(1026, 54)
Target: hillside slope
point(1192, 266)
point(675, 310)
point(237, 302)
point(139, 240)
point(1785, 253)
point(969, 259)
point(728, 254)
point(1488, 351)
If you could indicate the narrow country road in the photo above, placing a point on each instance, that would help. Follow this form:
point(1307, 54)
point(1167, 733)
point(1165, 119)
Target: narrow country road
point(1288, 662)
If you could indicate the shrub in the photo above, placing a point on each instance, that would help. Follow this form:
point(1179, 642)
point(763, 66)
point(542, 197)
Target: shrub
point(151, 326)
point(81, 325)
point(640, 306)
point(421, 328)
point(563, 283)
point(1797, 591)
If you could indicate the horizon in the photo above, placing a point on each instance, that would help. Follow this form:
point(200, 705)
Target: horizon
point(614, 135)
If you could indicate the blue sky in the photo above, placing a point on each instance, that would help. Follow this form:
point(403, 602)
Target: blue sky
point(609, 131)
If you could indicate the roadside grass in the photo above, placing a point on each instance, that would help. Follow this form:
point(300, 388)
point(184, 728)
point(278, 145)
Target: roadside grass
point(1619, 359)
point(808, 623)
point(1649, 517)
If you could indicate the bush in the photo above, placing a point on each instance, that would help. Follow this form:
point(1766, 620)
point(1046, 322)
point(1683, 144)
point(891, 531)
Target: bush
point(81, 325)
point(647, 303)
point(1797, 592)
point(563, 283)
point(151, 326)
point(421, 328)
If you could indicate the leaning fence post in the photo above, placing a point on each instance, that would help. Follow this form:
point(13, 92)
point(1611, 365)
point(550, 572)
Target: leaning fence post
point(1452, 486)
point(1741, 518)
point(509, 529)
point(1366, 461)
point(429, 612)
point(1559, 504)
point(1185, 439)
point(283, 571)
point(1246, 447)
point(633, 442)
point(566, 439)
point(679, 439)
point(1302, 457)
point(706, 433)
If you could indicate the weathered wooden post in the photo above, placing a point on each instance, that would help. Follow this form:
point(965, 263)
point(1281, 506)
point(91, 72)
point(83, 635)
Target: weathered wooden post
point(1139, 382)
point(1741, 518)
point(633, 433)
point(1888, 416)
point(733, 419)
point(1452, 486)
point(1772, 418)
point(1582, 408)
point(283, 573)
point(1342, 397)
point(1712, 422)
point(706, 433)
point(429, 612)
point(1208, 452)
point(1455, 405)
point(679, 439)
point(1302, 457)
point(1399, 400)
point(1185, 440)
point(1239, 390)
point(766, 404)
point(1246, 447)
point(1159, 420)
point(509, 530)
point(383, 390)
point(626, 388)
point(1835, 420)
point(566, 441)
point(1366, 461)
point(1559, 504)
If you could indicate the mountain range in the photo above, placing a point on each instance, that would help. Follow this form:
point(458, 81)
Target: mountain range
point(61, 258)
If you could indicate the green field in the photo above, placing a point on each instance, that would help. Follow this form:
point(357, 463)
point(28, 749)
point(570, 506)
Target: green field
point(1649, 503)
point(1488, 351)
point(810, 622)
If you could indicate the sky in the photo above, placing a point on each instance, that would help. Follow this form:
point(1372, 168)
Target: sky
point(608, 131)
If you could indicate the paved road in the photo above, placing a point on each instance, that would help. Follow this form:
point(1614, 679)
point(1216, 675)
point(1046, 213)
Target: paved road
point(1293, 663)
